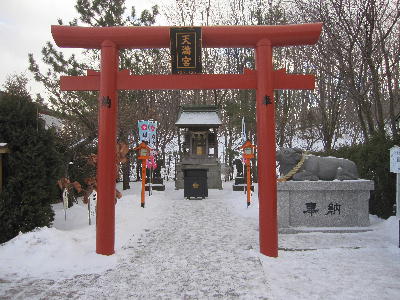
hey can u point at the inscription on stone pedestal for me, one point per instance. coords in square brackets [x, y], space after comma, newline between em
[324, 203]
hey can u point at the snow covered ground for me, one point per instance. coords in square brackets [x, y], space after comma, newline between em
[196, 249]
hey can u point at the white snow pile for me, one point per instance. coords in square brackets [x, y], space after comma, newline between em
[69, 247]
[196, 249]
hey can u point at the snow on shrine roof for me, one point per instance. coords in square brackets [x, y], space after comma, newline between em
[198, 116]
[4, 149]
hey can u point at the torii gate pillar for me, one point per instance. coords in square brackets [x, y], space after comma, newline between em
[106, 165]
[266, 165]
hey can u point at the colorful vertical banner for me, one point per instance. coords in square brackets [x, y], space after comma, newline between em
[152, 133]
[143, 131]
[151, 162]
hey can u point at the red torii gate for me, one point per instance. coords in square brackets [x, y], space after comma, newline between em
[264, 79]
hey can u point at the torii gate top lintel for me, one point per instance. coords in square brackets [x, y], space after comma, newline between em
[145, 37]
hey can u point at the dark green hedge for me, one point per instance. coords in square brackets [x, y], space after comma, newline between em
[372, 160]
[33, 167]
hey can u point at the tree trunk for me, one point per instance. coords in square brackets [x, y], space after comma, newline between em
[138, 170]
[126, 172]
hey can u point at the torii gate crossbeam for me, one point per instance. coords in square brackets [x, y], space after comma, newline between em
[264, 79]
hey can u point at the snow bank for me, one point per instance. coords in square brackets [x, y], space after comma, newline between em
[69, 247]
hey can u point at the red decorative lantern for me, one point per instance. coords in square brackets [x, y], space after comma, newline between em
[143, 151]
[248, 154]
[248, 150]
[144, 155]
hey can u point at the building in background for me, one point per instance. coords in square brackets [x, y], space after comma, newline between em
[198, 125]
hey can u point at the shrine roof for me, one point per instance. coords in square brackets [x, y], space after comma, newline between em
[198, 116]
[4, 148]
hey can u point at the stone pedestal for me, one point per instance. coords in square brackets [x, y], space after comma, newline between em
[213, 171]
[157, 184]
[324, 203]
[241, 185]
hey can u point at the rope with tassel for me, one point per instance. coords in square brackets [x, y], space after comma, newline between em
[295, 169]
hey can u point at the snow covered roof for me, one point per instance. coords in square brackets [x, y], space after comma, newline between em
[51, 121]
[197, 116]
[4, 149]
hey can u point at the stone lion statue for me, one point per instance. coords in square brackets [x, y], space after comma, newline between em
[313, 167]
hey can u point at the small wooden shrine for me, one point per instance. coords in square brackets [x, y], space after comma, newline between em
[198, 145]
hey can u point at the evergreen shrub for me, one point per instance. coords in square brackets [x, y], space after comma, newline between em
[34, 165]
[372, 160]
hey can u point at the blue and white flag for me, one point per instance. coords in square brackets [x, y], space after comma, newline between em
[243, 131]
[152, 133]
[143, 131]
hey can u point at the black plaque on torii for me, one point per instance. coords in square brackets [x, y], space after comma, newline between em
[185, 45]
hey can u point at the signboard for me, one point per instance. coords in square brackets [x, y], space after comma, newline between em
[395, 159]
[65, 201]
[185, 45]
[92, 206]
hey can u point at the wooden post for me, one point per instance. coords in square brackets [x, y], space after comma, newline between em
[1, 172]
[106, 165]
[143, 195]
[398, 201]
[266, 150]
[248, 181]
[215, 143]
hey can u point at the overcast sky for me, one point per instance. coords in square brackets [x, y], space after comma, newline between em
[25, 28]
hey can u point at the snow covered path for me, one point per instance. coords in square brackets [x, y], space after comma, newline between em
[200, 250]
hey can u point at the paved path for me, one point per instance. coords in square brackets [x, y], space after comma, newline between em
[201, 250]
